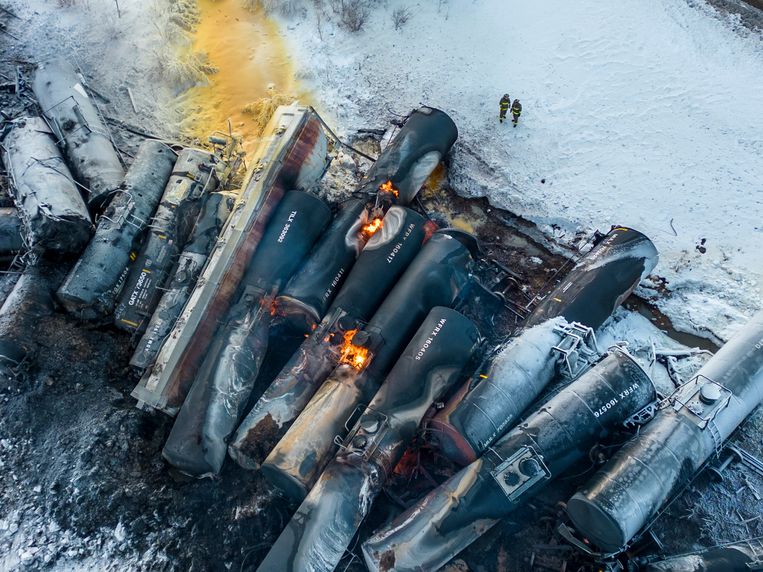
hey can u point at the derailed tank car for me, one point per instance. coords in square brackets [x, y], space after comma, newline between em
[628, 492]
[193, 177]
[214, 212]
[325, 523]
[490, 403]
[92, 286]
[292, 155]
[436, 277]
[542, 447]
[381, 263]
[220, 392]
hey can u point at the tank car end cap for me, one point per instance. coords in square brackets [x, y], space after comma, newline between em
[595, 524]
[451, 443]
[291, 488]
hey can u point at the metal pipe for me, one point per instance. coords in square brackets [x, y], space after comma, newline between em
[544, 446]
[222, 388]
[436, 277]
[325, 523]
[91, 288]
[378, 268]
[491, 402]
[193, 177]
[628, 492]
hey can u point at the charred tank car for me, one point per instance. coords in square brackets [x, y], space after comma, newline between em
[560, 327]
[223, 385]
[512, 471]
[437, 277]
[629, 491]
[323, 527]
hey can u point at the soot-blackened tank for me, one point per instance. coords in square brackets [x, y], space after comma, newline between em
[323, 527]
[507, 382]
[381, 263]
[437, 277]
[422, 142]
[221, 390]
[629, 491]
[544, 446]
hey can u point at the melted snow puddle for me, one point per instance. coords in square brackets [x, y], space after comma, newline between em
[252, 63]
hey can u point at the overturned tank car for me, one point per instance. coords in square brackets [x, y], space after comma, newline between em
[555, 337]
[627, 493]
[542, 447]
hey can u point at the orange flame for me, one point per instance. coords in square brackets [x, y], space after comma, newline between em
[371, 228]
[389, 188]
[352, 355]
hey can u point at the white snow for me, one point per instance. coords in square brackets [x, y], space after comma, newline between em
[646, 113]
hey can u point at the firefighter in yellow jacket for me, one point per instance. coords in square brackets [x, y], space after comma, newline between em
[516, 111]
[503, 107]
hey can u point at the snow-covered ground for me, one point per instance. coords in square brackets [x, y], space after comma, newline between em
[647, 113]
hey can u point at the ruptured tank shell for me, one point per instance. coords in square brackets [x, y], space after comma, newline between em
[91, 288]
[43, 189]
[629, 491]
[436, 277]
[414, 153]
[221, 391]
[381, 263]
[323, 527]
[490, 403]
[77, 123]
[543, 447]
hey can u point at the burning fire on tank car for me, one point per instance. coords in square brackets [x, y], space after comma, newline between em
[353, 355]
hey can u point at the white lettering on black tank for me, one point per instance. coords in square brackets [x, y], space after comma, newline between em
[287, 226]
[428, 342]
[615, 400]
[399, 245]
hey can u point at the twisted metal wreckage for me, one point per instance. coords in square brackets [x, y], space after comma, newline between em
[367, 303]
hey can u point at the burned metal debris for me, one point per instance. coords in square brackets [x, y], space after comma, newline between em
[214, 406]
[11, 232]
[77, 124]
[45, 194]
[292, 155]
[90, 290]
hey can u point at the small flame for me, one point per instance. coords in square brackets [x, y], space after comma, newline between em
[370, 229]
[389, 188]
[352, 355]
